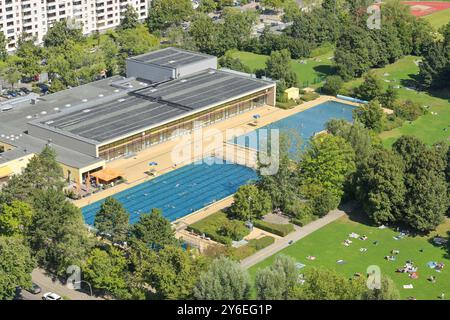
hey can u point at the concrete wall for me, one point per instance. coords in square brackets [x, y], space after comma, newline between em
[62, 140]
[196, 67]
[145, 71]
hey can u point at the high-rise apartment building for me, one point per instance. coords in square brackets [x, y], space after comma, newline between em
[35, 17]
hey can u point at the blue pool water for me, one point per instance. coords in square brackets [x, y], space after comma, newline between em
[181, 191]
[306, 123]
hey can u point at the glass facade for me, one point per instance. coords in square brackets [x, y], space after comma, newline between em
[145, 139]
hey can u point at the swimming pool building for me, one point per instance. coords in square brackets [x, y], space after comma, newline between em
[92, 124]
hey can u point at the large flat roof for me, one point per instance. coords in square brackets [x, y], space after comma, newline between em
[150, 107]
[171, 57]
[13, 123]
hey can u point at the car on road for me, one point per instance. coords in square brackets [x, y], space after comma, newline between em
[51, 296]
[34, 289]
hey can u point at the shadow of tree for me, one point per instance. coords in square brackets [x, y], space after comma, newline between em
[325, 70]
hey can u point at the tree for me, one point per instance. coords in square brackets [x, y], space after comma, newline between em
[371, 88]
[380, 186]
[11, 74]
[154, 230]
[327, 162]
[332, 85]
[30, 57]
[3, 44]
[278, 67]
[224, 280]
[16, 264]
[435, 66]
[278, 281]
[15, 218]
[388, 99]
[207, 6]
[57, 236]
[165, 13]
[387, 291]
[106, 271]
[112, 220]
[204, 34]
[60, 32]
[371, 115]
[129, 19]
[173, 273]
[426, 199]
[41, 173]
[136, 41]
[352, 56]
[250, 203]
[228, 61]
[408, 110]
[326, 284]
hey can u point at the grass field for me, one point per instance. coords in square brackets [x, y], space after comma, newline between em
[438, 19]
[429, 128]
[326, 245]
[310, 74]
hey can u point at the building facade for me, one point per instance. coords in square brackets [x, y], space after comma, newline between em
[35, 17]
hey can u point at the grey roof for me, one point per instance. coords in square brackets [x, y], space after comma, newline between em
[171, 57]
[13, 123]
[204, 88]
[151, 106]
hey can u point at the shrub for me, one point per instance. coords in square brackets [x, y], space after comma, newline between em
[408, 110]
[309, 96]
[304, 220]
[332, 85]
[219, 228]
[392, 122]
[251, 247]
[281, 230]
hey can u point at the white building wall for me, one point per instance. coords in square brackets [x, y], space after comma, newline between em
[35, 17]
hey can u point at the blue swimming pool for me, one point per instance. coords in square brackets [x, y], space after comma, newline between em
[306, 123]
[180, 192]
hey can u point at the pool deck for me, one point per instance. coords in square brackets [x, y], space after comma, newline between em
[134, 167]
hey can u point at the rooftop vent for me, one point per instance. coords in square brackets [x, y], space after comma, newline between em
[116, 90]
[101, 95]
[171, 61]
[86, 110]
[84, 100]
[121, 100]
[29, 117]
[56, 109]
[183, 80]
[211, 72]
[43, 112]
[49, 122]
[68, 105]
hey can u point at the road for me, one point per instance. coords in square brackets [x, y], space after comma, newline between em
[47, 284]
[299, 233]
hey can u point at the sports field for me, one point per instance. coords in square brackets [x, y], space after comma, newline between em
[326, 245]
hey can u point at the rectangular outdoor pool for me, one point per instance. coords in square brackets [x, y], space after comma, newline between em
[180, 192]
[305, 123]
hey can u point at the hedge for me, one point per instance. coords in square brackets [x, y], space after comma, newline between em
[251, 247]
[304, 220]
[213, 225]
[281, 230]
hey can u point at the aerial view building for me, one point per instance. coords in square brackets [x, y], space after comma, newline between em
[165, 90]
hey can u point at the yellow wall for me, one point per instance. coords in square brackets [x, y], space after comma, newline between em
[292, 93]
[17, 165]
[76, 174]
[6, 146]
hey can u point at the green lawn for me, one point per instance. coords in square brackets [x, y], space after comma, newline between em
[429, 128]
[438, 19]
[326, 245]
[309, 74]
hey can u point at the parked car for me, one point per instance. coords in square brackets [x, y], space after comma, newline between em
[51, 296]
[25, 90]
[34, 289]
[12, 93]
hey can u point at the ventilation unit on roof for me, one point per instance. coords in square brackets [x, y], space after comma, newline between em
[183, 80]
[43, 112]
[121, 100]
[84, 100]
[49, 122]
[56, 109]
[171, 61]
[86, 110]
[68, 105]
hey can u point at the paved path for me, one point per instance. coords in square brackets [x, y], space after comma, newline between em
[298, 234]
[47, 284]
